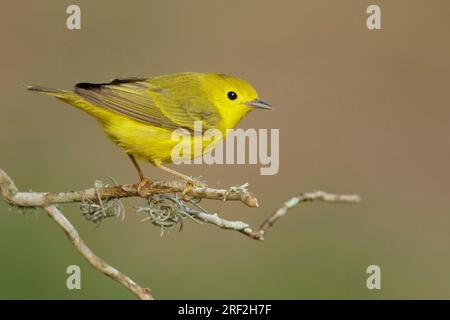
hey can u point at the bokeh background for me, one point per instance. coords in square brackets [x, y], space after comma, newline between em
[358, 111]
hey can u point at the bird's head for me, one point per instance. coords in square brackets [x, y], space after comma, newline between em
[233, 97]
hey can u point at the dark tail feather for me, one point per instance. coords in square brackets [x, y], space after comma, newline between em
[50, 91]
[43, 89]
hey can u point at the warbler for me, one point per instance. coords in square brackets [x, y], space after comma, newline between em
[140, 114]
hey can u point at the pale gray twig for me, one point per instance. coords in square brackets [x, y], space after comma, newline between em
[259, 234]
[54, 213]
[10, 194]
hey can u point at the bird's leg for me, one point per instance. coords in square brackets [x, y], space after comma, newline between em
[186, 178]
[143, 179]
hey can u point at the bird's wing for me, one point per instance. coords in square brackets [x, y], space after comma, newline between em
[138, 99]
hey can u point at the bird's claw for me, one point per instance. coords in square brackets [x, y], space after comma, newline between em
[196, 182]
[145, 183]
[186, 189]
[190, 184]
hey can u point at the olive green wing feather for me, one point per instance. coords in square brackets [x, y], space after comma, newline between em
[155, 104]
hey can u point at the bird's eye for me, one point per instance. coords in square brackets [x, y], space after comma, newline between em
[232, 95]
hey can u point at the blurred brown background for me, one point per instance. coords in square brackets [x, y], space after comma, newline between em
[358, 111]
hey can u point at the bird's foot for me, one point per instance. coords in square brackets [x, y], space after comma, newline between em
[145, 183]
[190, 184]
[195, 182]
[186, 189]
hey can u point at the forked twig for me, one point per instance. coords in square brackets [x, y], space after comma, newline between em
[49, 200]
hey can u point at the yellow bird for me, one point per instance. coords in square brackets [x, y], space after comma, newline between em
[140, 114]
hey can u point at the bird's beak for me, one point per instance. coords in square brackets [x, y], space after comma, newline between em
[258, 103]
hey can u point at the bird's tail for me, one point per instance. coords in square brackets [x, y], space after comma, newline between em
[69, 97]
[62, 94]
[75, 100]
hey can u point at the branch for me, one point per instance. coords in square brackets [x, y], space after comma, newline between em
[245, 229]
[94, 260]
[38, 199]
[10, 194]
[164, 210]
